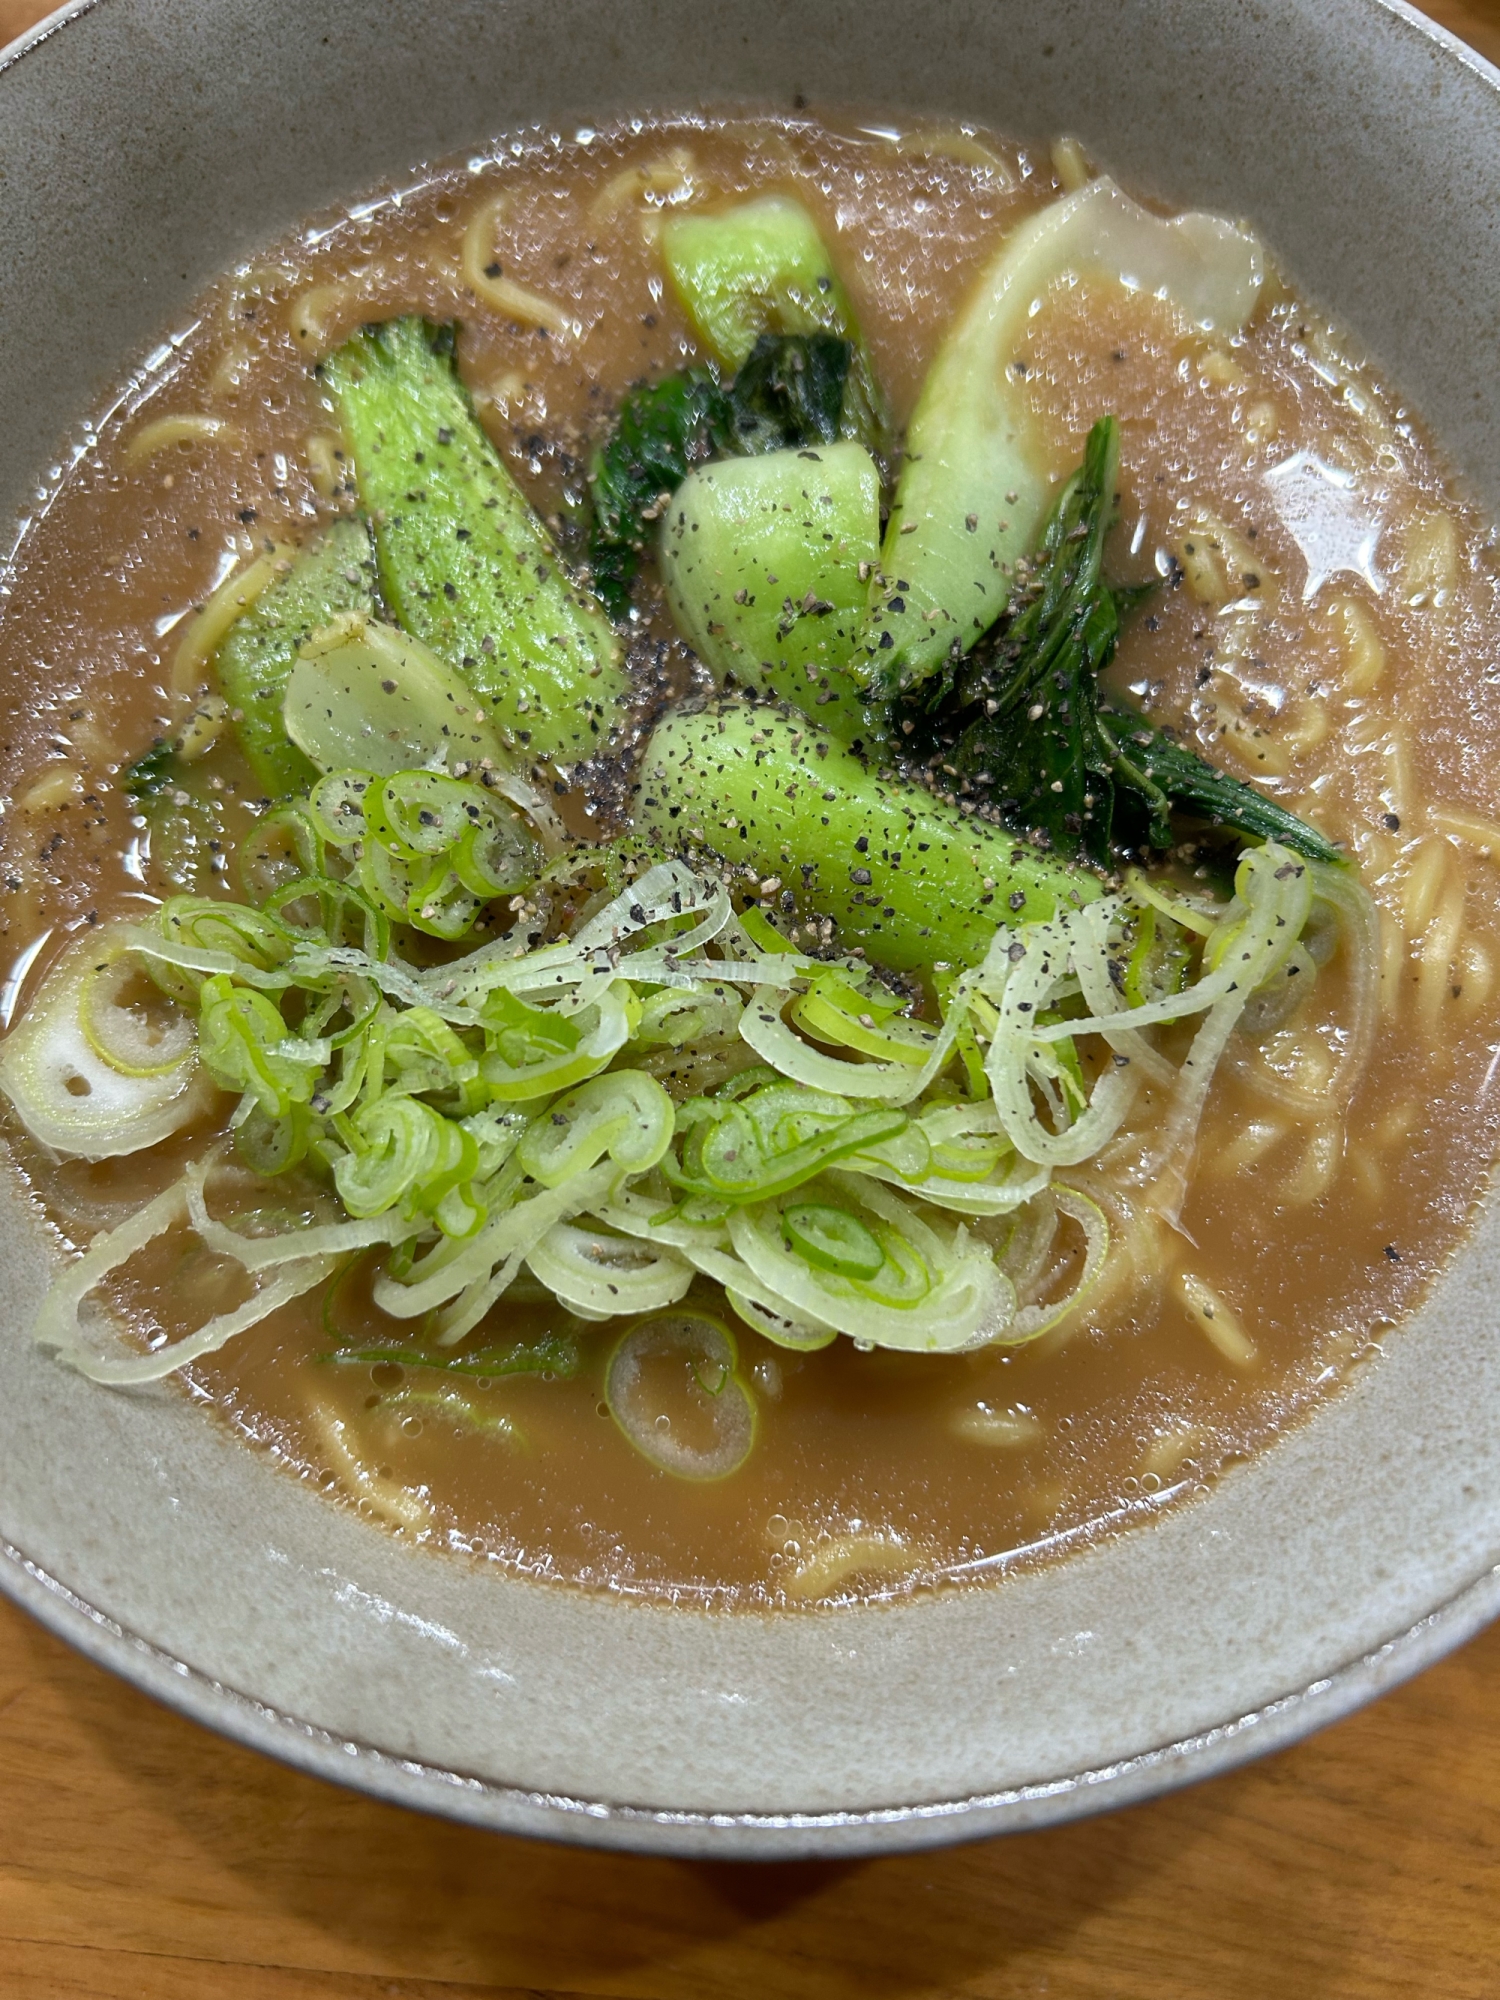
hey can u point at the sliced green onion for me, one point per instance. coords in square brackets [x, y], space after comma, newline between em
[244, 1044]
[549, 1354]
[496, 1132]
[934, 1292]
[802, 1336]
[831, 1239]
[441, 906]
[1034, 1320]
[422, 813]
[282, 846]
[767, 1142]
[498, 855]
[69, 1095]
[857, 1016]
[534, 1051]
[672, 1387]
[600, 1275]
[402, 1146]
[248, 936]
[893, 1082]
[683, 1017]
[474, 1274]
[59, 1326]
[272, 1146]
[266, 1252]
[640, 1211]
[149, 1037]
[389, 879]
[337, 806]
[317, 907]
[626, 1115]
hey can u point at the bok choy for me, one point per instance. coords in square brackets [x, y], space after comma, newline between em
[1030, 729]
[465, 564]
[974, 483]
[331, 577]
[908, 877]
[762, 268]
[788, 395]
[764, 562]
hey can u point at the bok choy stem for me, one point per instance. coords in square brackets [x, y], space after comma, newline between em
[465, 564]
[764, 563]
[763, 268]
[909, 877]
[331, 576]
[974, 486]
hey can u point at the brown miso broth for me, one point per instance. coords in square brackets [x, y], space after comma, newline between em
[1326, 626]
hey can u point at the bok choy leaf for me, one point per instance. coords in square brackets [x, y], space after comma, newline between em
[1029, 728]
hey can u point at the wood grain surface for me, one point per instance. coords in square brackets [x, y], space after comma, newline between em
[143, 1859]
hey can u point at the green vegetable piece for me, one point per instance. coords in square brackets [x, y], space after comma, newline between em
[1050, 752]
[1035, 743]
[440, 905]
[662, 431]
[240, 1038]
[765, 1142]
[404, 1151]
[907, 876]
[763, 268]
[626, 1114]
[790, 393]
[433, 848]
[87, 1071]
[465, 563]
[547, 1354]
[761, 560]
[860, 1014]
[682, 1367]
[832, 1239]
[1159, 771]
[974, 484]
[426, 812]
[365, 697]
[189, 830]
[336, 807]
[333, 575]
[158, 771]
[533, 1052]
[204, 923]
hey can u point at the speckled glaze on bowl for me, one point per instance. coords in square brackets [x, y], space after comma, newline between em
[146, 143]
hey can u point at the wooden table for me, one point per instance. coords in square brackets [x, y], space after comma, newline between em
[143, 1859]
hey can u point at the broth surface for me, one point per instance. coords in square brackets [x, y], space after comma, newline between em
[1328, 627]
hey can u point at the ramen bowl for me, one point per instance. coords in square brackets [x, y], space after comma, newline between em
[143, 147]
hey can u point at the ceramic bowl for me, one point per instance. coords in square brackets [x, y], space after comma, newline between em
[146, 143]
